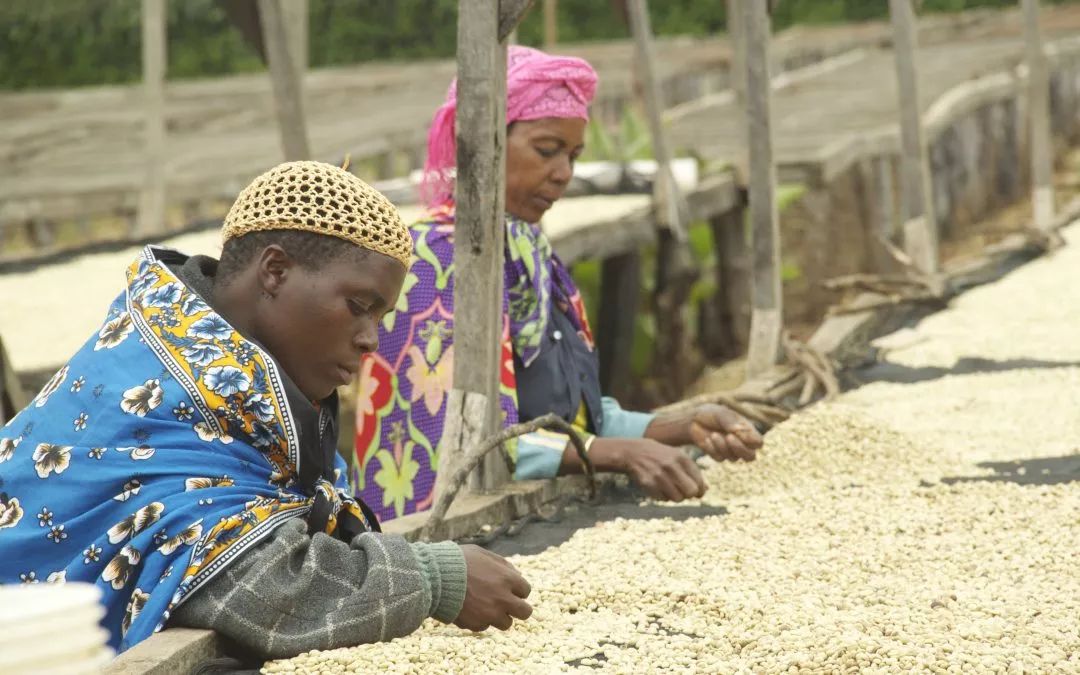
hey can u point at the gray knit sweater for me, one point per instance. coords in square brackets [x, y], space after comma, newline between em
[294, 592]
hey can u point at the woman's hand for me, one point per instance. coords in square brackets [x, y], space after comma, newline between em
[719, 431]
[724, 434]
[662, 471]
[495, 592]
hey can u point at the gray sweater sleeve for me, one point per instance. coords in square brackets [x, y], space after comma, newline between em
[293, 593]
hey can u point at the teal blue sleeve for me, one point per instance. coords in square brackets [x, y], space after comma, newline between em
[539, 455]
[623, 423]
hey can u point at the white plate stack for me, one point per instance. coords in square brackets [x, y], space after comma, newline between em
[52, 629]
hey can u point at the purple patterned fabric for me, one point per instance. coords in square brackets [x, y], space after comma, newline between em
[401, 400]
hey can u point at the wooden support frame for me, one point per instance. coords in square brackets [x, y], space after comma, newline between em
[511, 12]
[473, 411]
[1038, 107]
[551, 23]
[675, 269]
[620, 297]
[737, 64]
[287, 83]
[766, 319]
[150, 218]
[296, 15]
[917, 212]
[671, 210]
[725, 336]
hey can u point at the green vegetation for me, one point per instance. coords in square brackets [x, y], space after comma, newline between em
[625, 143]
[63, 43]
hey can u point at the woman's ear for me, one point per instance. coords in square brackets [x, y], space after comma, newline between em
[275, 265]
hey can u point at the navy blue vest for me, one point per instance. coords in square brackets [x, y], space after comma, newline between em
[564, 374]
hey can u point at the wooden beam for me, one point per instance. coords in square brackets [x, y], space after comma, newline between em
[620, 293]
[737, 74]
[151, 215]
[296, 27]
[670, 206]
[551, 23]
[725, 336]
[766, 319]
[511, 12]
[288, 89]
[736, 65]
[478, 239]
[917, 214]
[1038, 110]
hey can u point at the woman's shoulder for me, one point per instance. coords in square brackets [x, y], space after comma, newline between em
[435, 229]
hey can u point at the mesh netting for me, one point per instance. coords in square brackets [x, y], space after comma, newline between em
[324, 199]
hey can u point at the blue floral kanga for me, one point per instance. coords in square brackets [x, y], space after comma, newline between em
[165, 448]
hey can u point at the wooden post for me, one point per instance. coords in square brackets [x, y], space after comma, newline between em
[510, 14]
[737, 78]
[288, 89]
[551, 23]
[473, 410]
[620, 293]
[725, 336]
[295, 13]
[1038, 91]
[737, 64]
[675, 267]
[917, 214]
[151, 216]
[766, 319]
[670, 209]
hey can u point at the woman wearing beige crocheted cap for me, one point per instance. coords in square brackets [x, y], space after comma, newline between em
[184, 459]
[550, 362]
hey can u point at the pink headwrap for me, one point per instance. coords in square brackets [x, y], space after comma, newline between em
[537, 86]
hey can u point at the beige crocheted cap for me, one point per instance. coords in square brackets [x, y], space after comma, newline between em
[321, 198]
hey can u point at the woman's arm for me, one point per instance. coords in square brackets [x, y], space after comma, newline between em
[294, 592]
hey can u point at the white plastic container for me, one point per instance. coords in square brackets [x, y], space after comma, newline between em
[52, 629]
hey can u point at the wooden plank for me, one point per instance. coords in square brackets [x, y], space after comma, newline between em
[725, 336]
[151, 214]
[176, 650]
[296, 16]
[288, 90]
[511, 12]
[670, 208]
[1038, 110]
[917, 212]
[766, 319]
[737, 73]
[620, 293]
[886, 212]
[479, 228]
[551, 23]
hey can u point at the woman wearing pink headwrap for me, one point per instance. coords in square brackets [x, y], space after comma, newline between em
[549, 360]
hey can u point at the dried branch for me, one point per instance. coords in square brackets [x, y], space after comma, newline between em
[497, 441]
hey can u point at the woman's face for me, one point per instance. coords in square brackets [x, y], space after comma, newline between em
[320, 322]
[540, 157]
